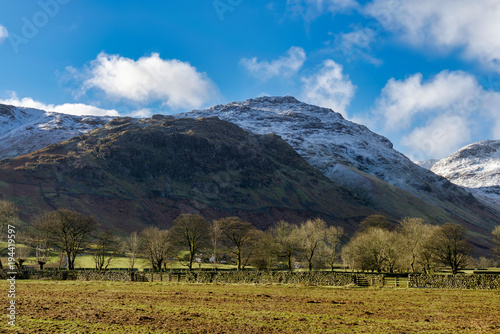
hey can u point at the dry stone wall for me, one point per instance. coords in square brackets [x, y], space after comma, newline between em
[474, 281]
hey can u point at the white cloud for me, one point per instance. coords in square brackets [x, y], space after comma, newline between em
[445, 24]
[453, 107]
[312, 9]
[3, 33]
[329, 87]
[443, 135]
[285, 66]
[357, 44]
[491, 103]
[496, 131]
[402, 100]
[175, 83]
[141, 113]
[67, 108]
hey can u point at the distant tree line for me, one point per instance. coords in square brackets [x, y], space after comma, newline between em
[411, 245]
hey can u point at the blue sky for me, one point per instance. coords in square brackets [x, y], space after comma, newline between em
[426, 74]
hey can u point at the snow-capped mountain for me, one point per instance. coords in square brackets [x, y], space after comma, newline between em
[361, 161]
[326, 140]
[475, 166]
[24, 130]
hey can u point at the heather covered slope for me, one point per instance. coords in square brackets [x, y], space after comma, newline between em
[132, 173]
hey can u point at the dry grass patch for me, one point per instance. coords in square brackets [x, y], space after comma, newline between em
[131, 307]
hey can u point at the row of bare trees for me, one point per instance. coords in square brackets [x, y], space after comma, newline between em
[412, 246]
[238, 241]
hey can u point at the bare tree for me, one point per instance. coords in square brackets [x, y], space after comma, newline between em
[374, 249]
[333, 237]
[427, 261]
[42, 254]
[349, 256]
[450, 247]
[286, 241]
[311, 237]
[69, 231]
[415, 235]
[8, 211]
[264, 254]
[106, 249]
[239, 238]
[156, 246]
[190, 233]
[131, 247]
[496, 242]
[215, 238]
[8, 214]
[40, 240]
[22, 253]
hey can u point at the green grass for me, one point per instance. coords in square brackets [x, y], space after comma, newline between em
[87, 262]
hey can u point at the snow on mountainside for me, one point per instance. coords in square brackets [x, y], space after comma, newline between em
[326, 140]
[427, 164]
[24, 130]
[476, 166]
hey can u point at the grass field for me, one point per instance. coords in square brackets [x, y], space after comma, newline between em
[113, 307]
[87, 262]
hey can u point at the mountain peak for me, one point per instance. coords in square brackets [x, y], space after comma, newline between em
[319, 134]
[476, 165]
[281, 105]
[273, 100]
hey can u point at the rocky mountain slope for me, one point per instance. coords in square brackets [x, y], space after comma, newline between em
[326, 140]
[24, 130]
[134, 173]
[355, 157]
[477, 167]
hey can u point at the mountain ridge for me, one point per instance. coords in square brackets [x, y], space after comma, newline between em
[164, 166]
